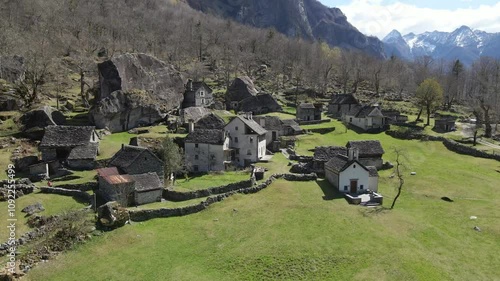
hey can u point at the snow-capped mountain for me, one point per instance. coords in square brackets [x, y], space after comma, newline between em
[463, 43]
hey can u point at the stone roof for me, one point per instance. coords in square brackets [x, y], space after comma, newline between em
[67, 136]
[291, 123]
[127, 155]
[206, 136]
[252, 125]
[145, 182]
[325, 153]
[365, 111]
[198, 85]
[210, 121]
[367, 148]
[340, 162]
[88, 151]
[343, 99]
[271, 123]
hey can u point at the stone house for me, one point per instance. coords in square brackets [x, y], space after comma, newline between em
[394, 117]
[291, 128]
[207, 150]
[135, 160]
[445, 124]
[365, 117]
[309, 111]
[370, 152]
[75, 146]
[341, 104]
[128, 190]
[348, 175]
[247, 138]
[323, 154]
[197, 94]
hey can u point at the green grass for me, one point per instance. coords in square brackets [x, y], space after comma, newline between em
[290, 232]
[281, 115]
[53, 204]
[110, 144]
[204, 181]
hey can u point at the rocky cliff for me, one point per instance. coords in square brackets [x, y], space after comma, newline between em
[307, 18]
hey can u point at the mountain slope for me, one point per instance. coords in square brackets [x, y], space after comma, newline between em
[306, 18]
[463, 43]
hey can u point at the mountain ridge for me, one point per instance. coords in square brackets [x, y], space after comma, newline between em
[463, 43]
[306, 18]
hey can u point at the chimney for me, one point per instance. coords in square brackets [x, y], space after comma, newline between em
[189, 85]
[262, 122]
[249, 115]
[191, 126]
[123, 146]
[350, 154]
[356, 154]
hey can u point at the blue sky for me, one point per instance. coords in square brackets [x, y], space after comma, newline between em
[379, 17]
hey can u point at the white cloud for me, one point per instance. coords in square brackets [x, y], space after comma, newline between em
[372, 17]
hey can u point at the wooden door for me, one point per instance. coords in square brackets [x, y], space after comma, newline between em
[354, 186]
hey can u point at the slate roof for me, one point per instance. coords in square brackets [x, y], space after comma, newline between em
[340, 162]
[291, 123]
[343, 99]
[198, 85]
[367, 148]
[206, 136]
[67, 136]
[325, 153]
[210, 121]
[272, 123]
[365, 111]
[81, 152]
[145, 182]
[253, 125]
[127, 155]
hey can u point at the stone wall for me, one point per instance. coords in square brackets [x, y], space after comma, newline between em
[82, 186]
[21, 186]
[68, 192]
[313, 122]
[143, 215]
[467, 150]
[183, 196]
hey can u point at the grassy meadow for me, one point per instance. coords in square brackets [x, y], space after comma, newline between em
[301, 231]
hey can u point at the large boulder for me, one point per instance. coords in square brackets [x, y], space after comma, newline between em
[9, 101]
[194, 114]
[260, 104]
[142, 72]
[112, 215]
[122, 111]
[240, 89]
[41, 118]
[35, 208]
[135, 90]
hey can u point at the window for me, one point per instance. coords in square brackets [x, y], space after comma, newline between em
[236, 128]
[251, 139]
[354, 166]
[195, 168]
[196, 157]
[202, 101]
[361, 187]
[249, 152]
[345, 187]
[202, 93]
[235, 139]
[195, 145]
[350, 120]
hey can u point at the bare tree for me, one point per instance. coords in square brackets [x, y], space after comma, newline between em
[399, 172]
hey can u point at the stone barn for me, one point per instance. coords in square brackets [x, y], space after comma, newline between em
[341, 104]
[135, 160]
[445, 124]
[75, 146]
[309, 111]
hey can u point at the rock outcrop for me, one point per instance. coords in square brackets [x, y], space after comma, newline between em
[112, 215]
[41, 118]
[122, 111]
[306, 18]
[194, 114]
[12, 68]
[210, 121]
[240, 89]
[135, 89]
[260, 104]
